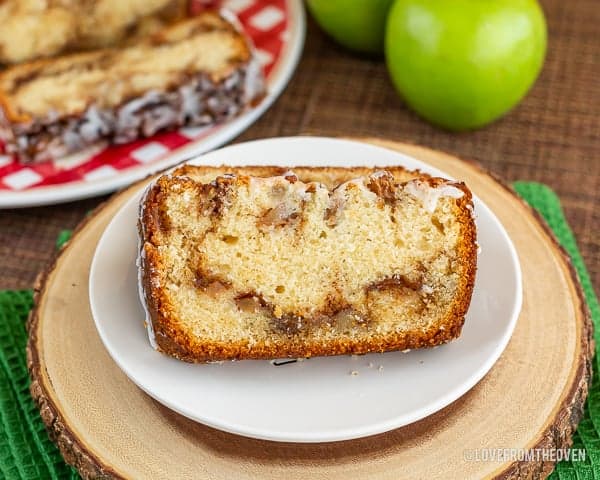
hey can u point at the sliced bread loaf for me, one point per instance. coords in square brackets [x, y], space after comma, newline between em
[199, 71]
[262, 263]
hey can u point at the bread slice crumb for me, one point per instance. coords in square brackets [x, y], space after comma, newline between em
[259, 262]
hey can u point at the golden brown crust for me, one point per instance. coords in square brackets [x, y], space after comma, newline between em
[171, 340]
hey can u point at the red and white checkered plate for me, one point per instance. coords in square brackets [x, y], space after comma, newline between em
[277, 28]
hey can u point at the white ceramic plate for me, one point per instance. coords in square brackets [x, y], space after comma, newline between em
[316, 400]
[79, 182]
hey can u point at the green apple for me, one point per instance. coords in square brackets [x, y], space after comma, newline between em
[356, 24]
[463, 63]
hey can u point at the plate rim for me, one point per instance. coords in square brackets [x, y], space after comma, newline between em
[80, 190]
[339, 434]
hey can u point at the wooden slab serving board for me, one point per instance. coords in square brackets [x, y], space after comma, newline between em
[532, 398]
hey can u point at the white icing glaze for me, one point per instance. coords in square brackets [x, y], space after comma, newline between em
[254, 81]
[338, 196]
[190, 102]
[380, 174]
[128, 114]
[340, 190]
[428, 195]
[232, 18]
[360, 182]
[297, 187]
[138, 263]
[289, 173]
[94, 124]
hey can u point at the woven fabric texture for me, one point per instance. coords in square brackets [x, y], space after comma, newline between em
[27, 453]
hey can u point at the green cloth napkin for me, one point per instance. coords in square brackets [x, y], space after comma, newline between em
[27, 453]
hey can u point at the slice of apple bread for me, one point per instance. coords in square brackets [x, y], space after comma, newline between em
[265, 263]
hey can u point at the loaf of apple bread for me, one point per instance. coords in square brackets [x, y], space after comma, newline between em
[260, 262]
[198, 71]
